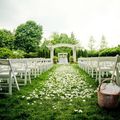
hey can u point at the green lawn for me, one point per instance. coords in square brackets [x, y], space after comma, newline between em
[62, 93]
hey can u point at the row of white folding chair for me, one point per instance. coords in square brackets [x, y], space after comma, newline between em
[97, 66]
[83, 63]
[24, 68]
[35, 66]
[38, 65]
[89, 65]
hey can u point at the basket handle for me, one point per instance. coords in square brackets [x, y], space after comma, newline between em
[107, 79]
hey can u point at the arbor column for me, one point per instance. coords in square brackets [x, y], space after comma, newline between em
[74, 54]
[51, 53]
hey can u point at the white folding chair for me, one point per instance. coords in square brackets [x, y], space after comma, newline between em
[116, 70]
[7, 77]
[105, 66]
[20, 66]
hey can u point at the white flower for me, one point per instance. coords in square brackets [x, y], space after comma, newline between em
[27, 98]
[80, 111]
[75, 110]
[83, 100]
[36, 96]
[23, 96]
[32, 103]
[95, 91]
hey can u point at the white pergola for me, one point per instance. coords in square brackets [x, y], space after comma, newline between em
[52, 47]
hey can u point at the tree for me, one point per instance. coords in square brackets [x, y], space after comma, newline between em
[43, 50]
[54, 38]
[63, 38]
[6, 39]
[73, 39]
[103, 43]
[91, 43]
[85, 53]
[28, 36]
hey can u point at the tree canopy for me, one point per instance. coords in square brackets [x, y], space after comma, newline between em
[91, 43]
[6, 39]
[28, 36]
[103, 43]
[63, 38]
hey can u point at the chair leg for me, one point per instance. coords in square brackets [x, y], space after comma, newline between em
[99, 77]
[29, 77]
[92, 73]
[10, 86]
[25, 82]
[16, 83]
[96, 75]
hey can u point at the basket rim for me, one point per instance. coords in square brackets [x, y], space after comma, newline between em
[108, 93]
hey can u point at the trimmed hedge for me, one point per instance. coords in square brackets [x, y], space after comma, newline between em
[105, 52]
[93, 53]
[7, 53]
[110, 52]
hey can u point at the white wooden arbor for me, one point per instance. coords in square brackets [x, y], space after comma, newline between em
[52, 47]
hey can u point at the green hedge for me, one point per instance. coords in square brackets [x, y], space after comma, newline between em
[110, 52]
[105, 52]
[93, 53]
[7, 53]
[31, 55]
[18, 54]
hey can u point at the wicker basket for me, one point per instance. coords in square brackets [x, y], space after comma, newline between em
[107, 100]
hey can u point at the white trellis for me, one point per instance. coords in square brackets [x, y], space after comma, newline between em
[52, 47]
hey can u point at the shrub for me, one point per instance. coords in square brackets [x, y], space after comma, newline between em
[31, 55]
[71, 60]
[93, 53]
[18, 54]
[55, 59]
[5, 53]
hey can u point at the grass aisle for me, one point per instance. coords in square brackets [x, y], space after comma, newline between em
[62, 93]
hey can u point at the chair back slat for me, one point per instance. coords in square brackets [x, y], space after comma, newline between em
[4, 62]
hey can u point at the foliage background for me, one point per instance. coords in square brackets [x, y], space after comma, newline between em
[25, 41]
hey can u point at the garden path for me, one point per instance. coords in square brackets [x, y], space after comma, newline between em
[64, 83]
